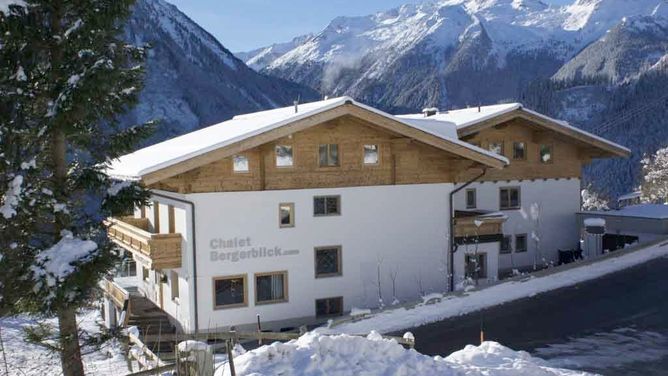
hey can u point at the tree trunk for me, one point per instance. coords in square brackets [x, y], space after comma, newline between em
[70, 355]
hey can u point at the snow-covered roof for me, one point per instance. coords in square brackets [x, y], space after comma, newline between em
[650, 211]
[467, 116]
[464, 118]
[182, 148]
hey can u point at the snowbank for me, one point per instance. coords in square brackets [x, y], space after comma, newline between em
[450, 306]
[28, 359]
[316, 354]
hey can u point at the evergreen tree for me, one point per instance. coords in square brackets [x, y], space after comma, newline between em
[65, 77]
[654, 185]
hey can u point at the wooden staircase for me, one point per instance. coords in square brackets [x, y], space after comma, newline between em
[152, 321]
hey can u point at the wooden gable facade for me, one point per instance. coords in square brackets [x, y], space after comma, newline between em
[401, 160]
[568, 153]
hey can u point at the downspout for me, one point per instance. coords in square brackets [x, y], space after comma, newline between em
[194, 242]
[453, 246]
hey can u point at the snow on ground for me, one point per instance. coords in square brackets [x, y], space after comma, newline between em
[601, 351]
[27, 359]
[315, 354]
[451, 306]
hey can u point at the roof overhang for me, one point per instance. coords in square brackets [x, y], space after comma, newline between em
[349, 107]
[604, 147]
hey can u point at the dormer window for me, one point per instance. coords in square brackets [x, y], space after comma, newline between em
[240, 164]
[496, 147]
[519, 150]
[328, 155]
[284, 156]
[546, 155]
[370, 154]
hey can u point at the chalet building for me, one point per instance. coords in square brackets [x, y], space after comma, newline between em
[301, 213]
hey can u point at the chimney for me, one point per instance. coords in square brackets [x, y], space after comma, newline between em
[296, 106]
[431, 111]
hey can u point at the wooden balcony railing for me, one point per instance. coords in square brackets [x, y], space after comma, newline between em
[155, 251]
[117, 294]
[474, 226]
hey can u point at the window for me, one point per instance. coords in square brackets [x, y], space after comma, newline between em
[174, 284]
[519, 150]
[520, 243]
[329, 307]
[496, 147]
[229, 292]
[506, 244]
[327, 262]
[144, 274]
[240, 163]
[284, 156]
[546, 154]
[370, 154]
[476, 266]
[326, 205]
[286, 215]
[509, 198]
[471, 198]
[329, 155]
[271, 287]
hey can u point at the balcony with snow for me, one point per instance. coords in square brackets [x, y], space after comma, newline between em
[154, 251]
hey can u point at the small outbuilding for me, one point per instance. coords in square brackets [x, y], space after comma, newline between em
[630, 224]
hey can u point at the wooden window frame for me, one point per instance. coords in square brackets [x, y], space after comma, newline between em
[291, 205]
[519, 198]
[377, 163]
[503, 147]
[526, 243]
[234, 171]
[244, 277]
[338, 205]
[475, 198]
[339, 257]
[285, 299]
[485, 263]
[540, 152]
[510, 245]
[524, 156]
[338, 155]
[174, 276]
[329, 314]
[292, 155]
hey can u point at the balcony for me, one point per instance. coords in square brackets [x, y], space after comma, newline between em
[478, 226]
[153, 251]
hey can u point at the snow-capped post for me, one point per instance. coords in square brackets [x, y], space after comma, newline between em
[65, 77]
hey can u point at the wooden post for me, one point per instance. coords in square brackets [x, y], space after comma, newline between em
[230, 357]
[259, 330]
[263, 179]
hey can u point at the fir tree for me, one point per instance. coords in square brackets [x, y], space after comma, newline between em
[65, 77]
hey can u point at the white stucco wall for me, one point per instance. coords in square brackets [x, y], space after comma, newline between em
[405, 227]
[548, 209]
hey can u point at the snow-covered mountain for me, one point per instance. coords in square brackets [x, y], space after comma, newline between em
[261, 57]
[416, 55]
[192, 80]
[596, 63]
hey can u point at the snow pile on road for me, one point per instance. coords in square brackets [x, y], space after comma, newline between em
[316, 354]
[451, 306]
[29, 359]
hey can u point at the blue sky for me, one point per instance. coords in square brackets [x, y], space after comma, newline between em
[242, 25]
